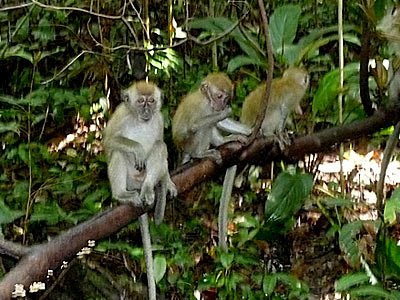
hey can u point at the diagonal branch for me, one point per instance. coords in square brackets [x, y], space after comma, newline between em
[39, 259]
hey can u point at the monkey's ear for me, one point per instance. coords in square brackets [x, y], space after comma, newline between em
[124, 96]
[204, 87]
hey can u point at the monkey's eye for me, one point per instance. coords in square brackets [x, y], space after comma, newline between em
[140, 100]
[150, 99]
[220, 96]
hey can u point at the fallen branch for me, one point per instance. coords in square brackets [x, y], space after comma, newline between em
[37, 260]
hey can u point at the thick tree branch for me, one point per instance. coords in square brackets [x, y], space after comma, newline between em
[34, 265]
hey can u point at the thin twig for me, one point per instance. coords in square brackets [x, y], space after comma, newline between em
[133, 33]
[67, 66]
[15, 7]
[80, 10]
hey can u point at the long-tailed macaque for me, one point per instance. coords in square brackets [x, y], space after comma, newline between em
[286, 94]
[202, 115]
[199, 120]
[137, 159]
[389, 27]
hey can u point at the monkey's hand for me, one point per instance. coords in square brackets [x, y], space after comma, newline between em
[171, 188]
[140, 158]
[147, 194]
[225, 113]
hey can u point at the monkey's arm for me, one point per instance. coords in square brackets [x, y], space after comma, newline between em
[209, 120]
[217, 139]
[125, 145]
[231, 126]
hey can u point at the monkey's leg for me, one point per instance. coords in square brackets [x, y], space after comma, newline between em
[224, 206]
[161, 196]
[156, 168]
[148, 255]
[118, 175]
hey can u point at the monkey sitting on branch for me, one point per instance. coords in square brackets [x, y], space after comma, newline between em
[286, 94]
[202, 117]
[137, 159]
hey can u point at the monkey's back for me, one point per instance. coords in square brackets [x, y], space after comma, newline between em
[251, 106]
[188, 112]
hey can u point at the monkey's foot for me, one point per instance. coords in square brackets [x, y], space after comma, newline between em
[171, 188]
[213, 154]
[283, 139]
[147, 195]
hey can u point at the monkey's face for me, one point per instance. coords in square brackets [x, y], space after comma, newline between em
[217, 98]
[143, 99]
[145, 106]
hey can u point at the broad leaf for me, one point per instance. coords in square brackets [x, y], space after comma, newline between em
[350, 280]
[160, 266]
[287, 195]
[7, 215]
[283, 25]
[392, 208]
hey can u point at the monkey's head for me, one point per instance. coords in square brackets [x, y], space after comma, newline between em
[389, 27]
[218, 89]
[143, 99]
[297, 75]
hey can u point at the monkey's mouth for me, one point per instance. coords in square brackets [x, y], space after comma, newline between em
[218, 106]
[145, 118]
[146, 114]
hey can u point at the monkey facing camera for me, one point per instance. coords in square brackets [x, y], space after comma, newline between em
[137, 159]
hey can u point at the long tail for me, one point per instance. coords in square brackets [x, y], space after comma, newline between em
[223, 206]
[146, 240]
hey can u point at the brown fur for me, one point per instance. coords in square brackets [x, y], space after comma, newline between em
[143, 87]
[195, 106]
[288, 88]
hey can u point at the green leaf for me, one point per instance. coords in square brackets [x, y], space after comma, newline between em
[372, 291]
[50, 213]
[283, 25]
[325, 98]
[227, 259]
[348, 243]
[10, 126]
[392, 208]
[160, 266]
[242, 60]
[350, 280]
[17, 51]
[45, 31]
[388, 255]
[287, 196]
[269, 284]
[8, 215]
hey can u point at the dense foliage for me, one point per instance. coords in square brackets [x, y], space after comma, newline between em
[62, 65]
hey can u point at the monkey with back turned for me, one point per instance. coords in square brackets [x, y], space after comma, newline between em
[137, 159]
[285, 97]
[389, 27]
